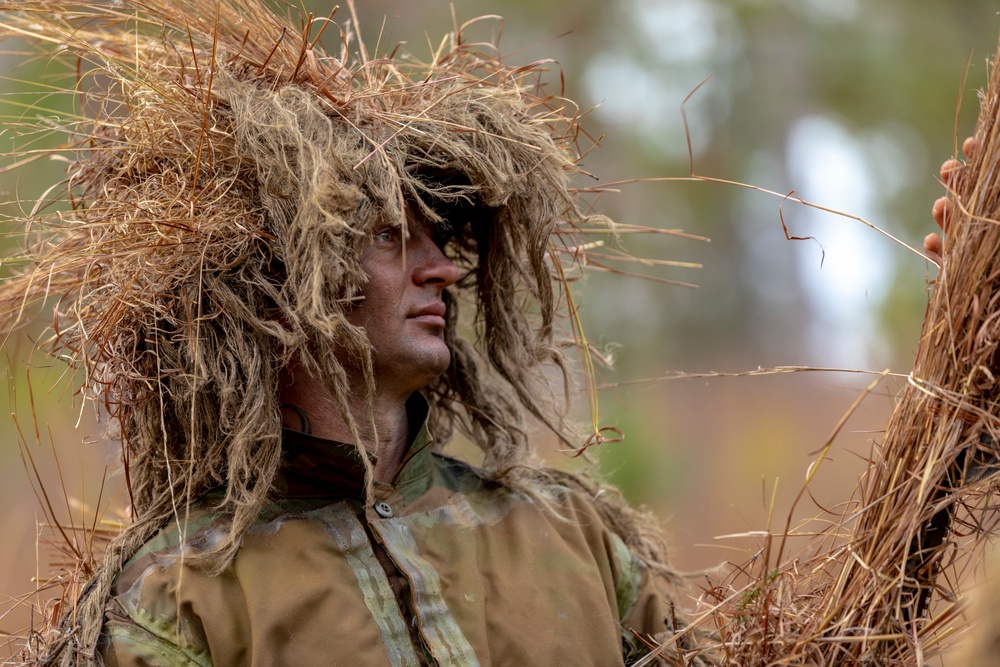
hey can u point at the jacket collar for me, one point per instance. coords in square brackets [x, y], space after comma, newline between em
[314, 467]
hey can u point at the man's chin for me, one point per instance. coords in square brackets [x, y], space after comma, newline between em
[439, 365]
[426, 367]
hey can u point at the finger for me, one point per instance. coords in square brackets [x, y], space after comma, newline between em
[969, 146]
[941, 211]
[949, 168]
[932, 247]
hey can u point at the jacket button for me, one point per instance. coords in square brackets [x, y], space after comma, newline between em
[384, 510]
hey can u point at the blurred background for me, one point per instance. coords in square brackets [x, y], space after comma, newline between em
[853, 105]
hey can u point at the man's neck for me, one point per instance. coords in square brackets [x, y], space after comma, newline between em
[308, 406]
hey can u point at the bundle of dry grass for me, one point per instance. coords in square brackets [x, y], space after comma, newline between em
[881, 585]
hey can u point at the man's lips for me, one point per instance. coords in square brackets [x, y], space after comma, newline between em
[430, 314]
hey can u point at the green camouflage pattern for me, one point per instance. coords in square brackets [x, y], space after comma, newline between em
[463, 572]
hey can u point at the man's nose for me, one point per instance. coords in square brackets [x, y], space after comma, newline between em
[430, 264]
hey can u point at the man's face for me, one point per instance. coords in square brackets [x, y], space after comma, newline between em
[402, 311]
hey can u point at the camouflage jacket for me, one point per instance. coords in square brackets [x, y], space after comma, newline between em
[445, 568]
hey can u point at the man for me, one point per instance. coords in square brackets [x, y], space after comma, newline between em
[290, 278]
[439, 565]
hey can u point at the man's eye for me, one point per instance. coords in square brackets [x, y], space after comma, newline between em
[387, 235]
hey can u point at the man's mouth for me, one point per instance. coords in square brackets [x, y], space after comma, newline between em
[432, 314]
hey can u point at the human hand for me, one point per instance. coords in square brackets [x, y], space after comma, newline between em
[942, 209]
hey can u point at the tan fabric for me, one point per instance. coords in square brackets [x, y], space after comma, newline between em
[462, 573]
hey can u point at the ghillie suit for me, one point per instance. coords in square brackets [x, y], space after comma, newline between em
[225, 173]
